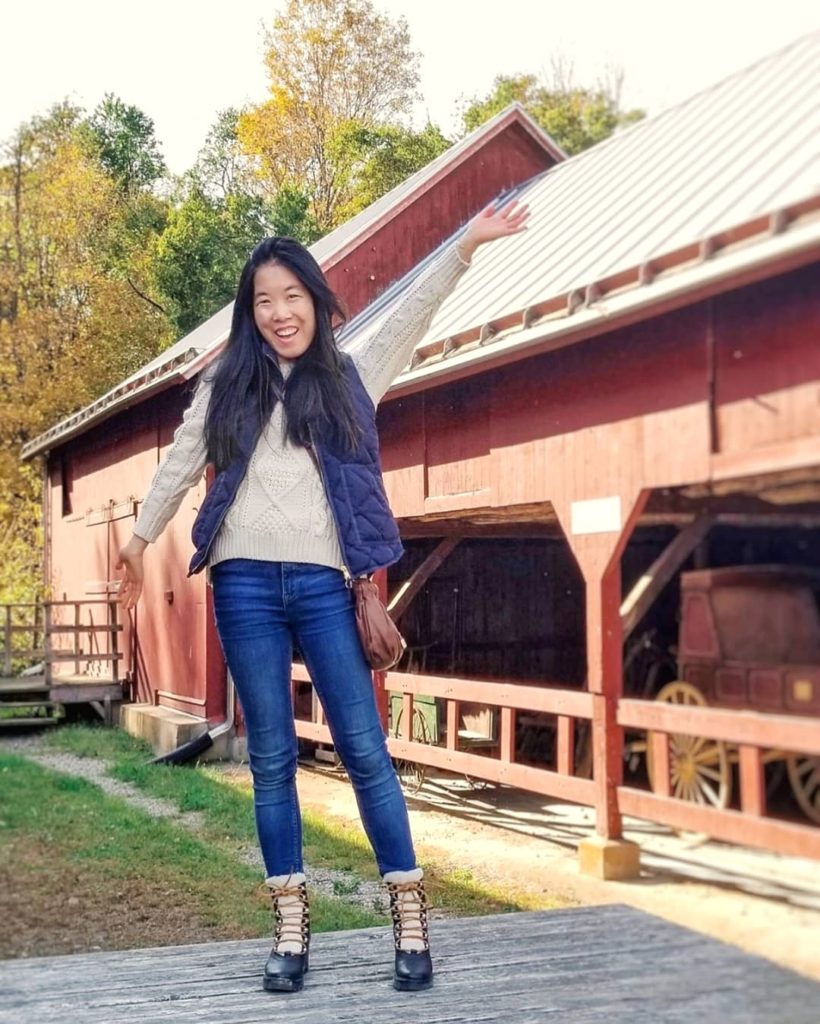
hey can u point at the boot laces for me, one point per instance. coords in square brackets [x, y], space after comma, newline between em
[408, 908]
[291, 927]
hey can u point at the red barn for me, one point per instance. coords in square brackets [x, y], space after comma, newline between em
[626, 393]
[100, 461]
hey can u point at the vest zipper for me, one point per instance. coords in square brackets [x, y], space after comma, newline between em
[345, 570]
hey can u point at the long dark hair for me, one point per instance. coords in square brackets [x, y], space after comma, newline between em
[246, 380]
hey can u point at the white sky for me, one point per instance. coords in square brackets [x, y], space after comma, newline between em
[182, 61]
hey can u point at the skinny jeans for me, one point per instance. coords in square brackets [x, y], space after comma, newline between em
[261, 607]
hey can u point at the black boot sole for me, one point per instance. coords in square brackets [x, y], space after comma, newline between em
[412, 984]
[283, 984]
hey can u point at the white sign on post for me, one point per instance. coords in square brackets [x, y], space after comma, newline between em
[596, 515]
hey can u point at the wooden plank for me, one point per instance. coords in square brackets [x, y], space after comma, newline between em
[82, 693]
[534, 780]
[658, 750]
[551, 700]
[507, 739]
[565, 760]
[645, 592]
[785, 732]
[408, 590]
[752, 781]
[452, 724]
[731, 826]
[522, 967]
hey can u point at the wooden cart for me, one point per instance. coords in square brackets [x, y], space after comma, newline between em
[749, 639]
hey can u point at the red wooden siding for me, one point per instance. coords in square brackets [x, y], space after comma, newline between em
[411, 234]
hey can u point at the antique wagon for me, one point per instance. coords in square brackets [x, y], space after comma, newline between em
[749, 639]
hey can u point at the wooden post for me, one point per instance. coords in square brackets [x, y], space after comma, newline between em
[7, 652]
[77, 624]
[752, 781]
[47, 644]
[507, 752]
[597, 529]
[114, 647]
[565, 759]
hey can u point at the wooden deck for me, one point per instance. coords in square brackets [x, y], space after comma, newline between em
[594, 964]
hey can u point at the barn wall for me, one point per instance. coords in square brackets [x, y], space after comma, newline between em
[621, 412]
[171, 664]
[414, 232]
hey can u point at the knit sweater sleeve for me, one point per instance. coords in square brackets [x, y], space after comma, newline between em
[382, 356]
[182, 467]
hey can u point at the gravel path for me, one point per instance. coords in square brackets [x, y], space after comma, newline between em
[344, 885]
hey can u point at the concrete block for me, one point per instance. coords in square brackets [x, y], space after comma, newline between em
[610, 859]
[164, 728]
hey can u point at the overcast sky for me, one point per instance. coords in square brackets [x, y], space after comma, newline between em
[181, 61]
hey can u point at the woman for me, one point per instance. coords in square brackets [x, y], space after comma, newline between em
[297, 507]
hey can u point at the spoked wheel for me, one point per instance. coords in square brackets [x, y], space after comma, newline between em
[699, 769]
[411, 773]
[804, 776]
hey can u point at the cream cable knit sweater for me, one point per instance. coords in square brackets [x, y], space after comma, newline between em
[280, 512]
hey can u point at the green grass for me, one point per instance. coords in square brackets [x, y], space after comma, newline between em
[227, 810]
[76, 821]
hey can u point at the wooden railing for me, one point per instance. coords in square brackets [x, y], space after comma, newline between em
[567, 706]
[753, 736]
[46, 622]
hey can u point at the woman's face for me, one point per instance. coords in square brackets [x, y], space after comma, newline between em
[283, 310]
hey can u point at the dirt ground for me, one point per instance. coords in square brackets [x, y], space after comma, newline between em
[59, 907]
[763, 903]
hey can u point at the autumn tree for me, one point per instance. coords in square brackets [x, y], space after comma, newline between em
[330, 63]
[69, 328]
[576, 117]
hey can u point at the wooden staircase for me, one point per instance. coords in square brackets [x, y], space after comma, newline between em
[53, 633]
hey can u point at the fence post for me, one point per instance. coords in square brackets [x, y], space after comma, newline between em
[7, 652]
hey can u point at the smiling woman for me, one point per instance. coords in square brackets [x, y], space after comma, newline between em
[282, 533]
[283, 310]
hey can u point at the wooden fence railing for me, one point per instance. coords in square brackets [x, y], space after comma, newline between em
[53, 633]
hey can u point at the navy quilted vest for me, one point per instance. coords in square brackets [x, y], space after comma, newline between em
[368, 534]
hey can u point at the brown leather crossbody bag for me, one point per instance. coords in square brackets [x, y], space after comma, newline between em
[382, 642]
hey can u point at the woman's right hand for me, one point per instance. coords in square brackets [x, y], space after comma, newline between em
[130, 559]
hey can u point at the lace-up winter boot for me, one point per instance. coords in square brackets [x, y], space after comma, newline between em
[288, 961]
[408, 908]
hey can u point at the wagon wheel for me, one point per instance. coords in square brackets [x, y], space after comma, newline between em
[699, 769]
[804, 776]
[411, 773]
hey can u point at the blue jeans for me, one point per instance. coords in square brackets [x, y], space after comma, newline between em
[260, 607]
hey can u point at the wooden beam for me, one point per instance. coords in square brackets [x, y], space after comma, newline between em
[728, 825]
[644, 593]
[798, 735]
[549, 700]
[404, 596]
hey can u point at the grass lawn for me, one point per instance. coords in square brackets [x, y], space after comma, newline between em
[227, 808]
[81, 870]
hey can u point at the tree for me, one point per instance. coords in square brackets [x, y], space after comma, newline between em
[69, 329]
[127, 146]
[381, 157]
[197, 259]
[222, 167]
[574, 116]
[329, 63]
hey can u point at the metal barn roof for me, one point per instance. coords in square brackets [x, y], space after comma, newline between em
[701, 192]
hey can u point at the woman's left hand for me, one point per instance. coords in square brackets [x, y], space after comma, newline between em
[494, 222]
